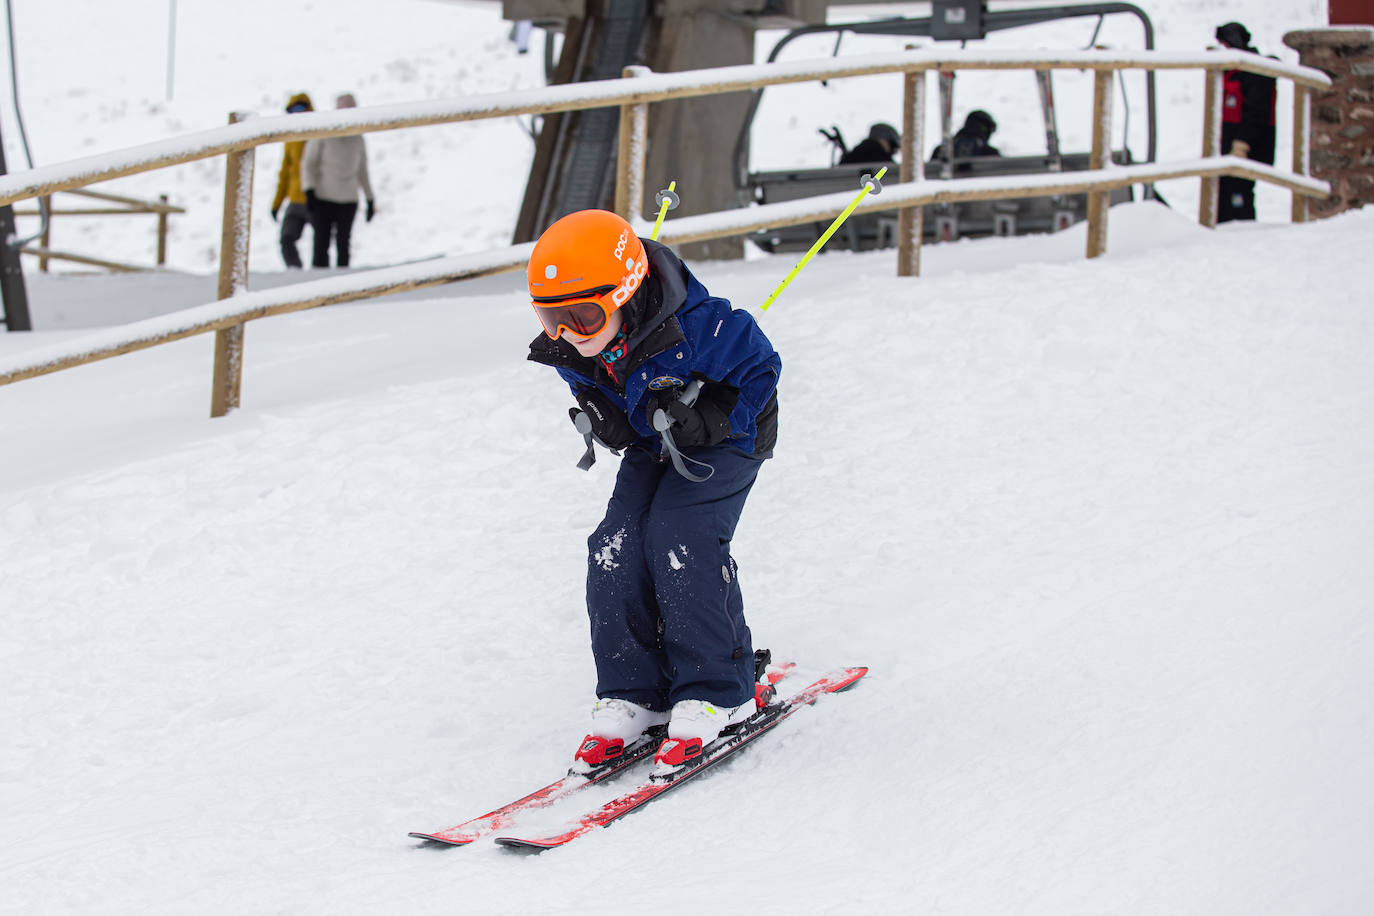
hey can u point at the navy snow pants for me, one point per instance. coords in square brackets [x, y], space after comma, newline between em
[667, 616]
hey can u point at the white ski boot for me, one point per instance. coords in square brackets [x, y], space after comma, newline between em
[616, 725]
[694, 725]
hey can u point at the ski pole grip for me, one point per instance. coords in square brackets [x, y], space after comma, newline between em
[662, 420]
[689, 394]
[583, 423]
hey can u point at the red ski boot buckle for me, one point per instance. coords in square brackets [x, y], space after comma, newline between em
[677, 751]
[596, 751]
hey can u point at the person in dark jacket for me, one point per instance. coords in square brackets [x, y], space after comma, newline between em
[289, 188]
[882, 141]
[971, 140]
[1247, 126]
[630, 329]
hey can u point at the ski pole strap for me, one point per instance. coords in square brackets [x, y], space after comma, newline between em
[679, 460]
[583, 424]
[663, 423]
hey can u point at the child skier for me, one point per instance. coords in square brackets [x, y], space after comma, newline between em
[630, 329]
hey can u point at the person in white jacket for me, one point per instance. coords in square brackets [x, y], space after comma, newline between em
[334, 170]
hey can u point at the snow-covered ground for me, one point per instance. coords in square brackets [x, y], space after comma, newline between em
[1100, 529]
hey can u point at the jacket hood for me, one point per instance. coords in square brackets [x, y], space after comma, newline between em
[300, 97]
[662, 293]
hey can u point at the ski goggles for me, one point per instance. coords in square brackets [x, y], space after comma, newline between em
[576, 313]
[297, 108]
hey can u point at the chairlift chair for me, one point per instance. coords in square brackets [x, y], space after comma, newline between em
[961, 20]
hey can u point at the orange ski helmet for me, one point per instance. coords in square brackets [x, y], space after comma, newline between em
[583, 268]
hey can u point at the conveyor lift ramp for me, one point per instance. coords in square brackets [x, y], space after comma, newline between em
[575, 157]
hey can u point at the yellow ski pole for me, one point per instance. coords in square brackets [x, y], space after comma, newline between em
[871, 183]
[666, 201]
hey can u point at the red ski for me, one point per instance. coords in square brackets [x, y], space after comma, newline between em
[472, 830]
[479, 827]
[695, 761]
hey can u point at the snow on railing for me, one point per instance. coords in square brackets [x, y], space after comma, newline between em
[655, 87]
[632, 94]
[244, 307]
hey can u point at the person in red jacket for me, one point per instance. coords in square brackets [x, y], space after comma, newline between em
[1247, 125]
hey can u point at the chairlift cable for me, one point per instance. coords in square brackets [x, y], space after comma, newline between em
[12, 241]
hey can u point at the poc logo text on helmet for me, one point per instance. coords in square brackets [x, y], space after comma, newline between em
[620, 246]
[621, 294]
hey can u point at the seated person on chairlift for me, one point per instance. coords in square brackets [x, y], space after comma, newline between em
[972, 139]
[883, 140]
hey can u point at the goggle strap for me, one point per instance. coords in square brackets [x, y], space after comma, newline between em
[565, 297]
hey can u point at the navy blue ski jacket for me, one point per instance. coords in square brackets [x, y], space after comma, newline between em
[677, 331]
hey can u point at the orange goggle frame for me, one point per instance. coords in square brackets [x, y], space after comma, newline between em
[584, 317]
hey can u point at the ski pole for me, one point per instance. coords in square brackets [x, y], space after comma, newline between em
[666, 200]
[870, 183]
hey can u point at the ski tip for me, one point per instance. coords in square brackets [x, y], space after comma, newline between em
[438, 839]
[845, 679]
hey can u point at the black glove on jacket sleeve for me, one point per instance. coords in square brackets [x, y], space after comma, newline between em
[609, 423]
[707, 421]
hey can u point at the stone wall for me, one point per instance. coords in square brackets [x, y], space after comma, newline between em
[1342, 118]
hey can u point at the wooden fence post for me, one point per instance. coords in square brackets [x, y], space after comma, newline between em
[162, 233]
[46, 240]
[233, 274]
[629, 166]
[1211, 146]
[1100, 201]
[1302, 146]
[911, 220]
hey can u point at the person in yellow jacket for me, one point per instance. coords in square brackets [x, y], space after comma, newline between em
[289, 188]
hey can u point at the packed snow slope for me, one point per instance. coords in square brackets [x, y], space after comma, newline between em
[1100, 529]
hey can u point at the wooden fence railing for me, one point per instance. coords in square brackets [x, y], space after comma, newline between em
[633, 94]
[121, 206]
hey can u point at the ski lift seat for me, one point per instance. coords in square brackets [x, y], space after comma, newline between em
[977, 218]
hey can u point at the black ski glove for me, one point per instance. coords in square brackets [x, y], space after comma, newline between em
[310, 201]
[371, 212]
[706, 422]
[609, 423]
[274, 214]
